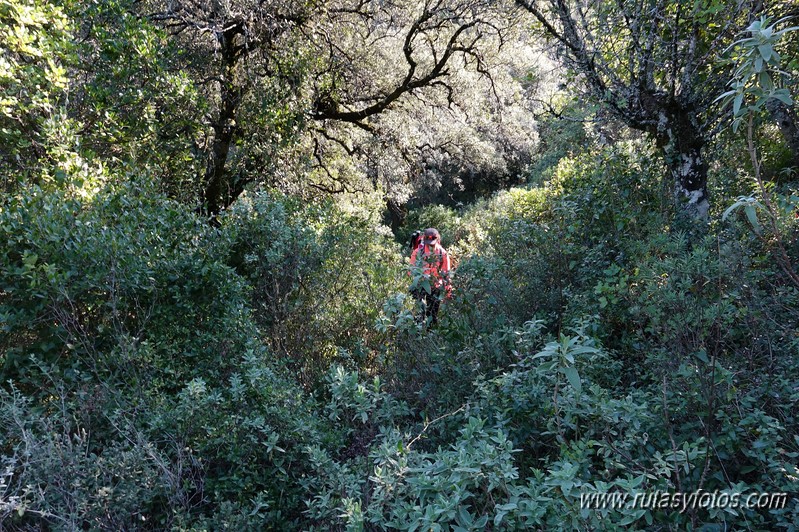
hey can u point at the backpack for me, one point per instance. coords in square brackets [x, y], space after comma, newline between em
[416, 239]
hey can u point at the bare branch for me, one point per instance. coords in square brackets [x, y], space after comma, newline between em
[425, 27]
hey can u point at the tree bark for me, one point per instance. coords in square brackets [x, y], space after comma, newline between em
[682, 142]
[673, 125]
[786, 120]
[218, 190]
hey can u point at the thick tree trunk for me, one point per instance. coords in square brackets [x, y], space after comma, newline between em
[786, 120]
[689, 174]
[396, 214]
[218, 193]
[680, 137]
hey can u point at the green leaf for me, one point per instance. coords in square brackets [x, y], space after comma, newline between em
[464, 516]
[632, 518]
[425, 284]
[765, 81]
[785, 30]
[783, 95]
[29, 259]
[584, 349]
[574, 378]
[736, 105]
[730, 209]
[751, 215]
[766, 52]
[727, 94]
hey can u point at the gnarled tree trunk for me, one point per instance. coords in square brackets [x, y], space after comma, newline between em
[682, 140]
[650, 63]
[786, 120]
[218, 193]
[672, 123]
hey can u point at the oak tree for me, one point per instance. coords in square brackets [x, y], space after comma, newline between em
[654, 65]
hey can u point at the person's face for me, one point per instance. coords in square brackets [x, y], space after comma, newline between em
[430, 242]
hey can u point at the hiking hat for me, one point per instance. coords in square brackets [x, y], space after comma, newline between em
[431, 234]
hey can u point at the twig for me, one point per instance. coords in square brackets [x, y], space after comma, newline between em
[671, 436]
[428, 423]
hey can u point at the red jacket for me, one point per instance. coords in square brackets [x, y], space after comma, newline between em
[435, 261]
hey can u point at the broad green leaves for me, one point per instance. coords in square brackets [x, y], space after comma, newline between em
[750, 206]
[753, 82]
[562, 356]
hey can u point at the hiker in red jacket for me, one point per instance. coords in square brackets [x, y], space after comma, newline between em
[433, 260]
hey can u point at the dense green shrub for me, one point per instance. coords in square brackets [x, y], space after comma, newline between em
[58, 473]
[138, 338]
[128, 338]
[320, 277]
[124, 122]
[239, 445]
[695, 327]
[86, 281]
[536, 438]
[269, 371]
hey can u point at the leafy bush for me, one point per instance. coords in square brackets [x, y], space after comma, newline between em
[320, 277]
[124, 123]
[35, 51]
[691, 327]
[129, 339]
[86, 281]
[56, 473]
